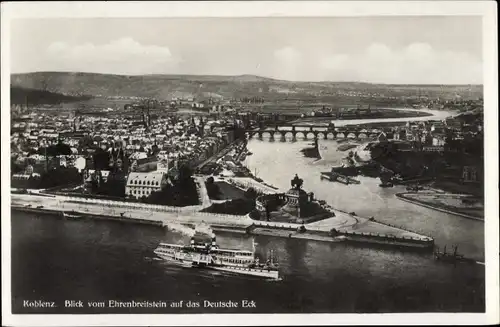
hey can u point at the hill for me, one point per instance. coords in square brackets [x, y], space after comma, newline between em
[204, 86]
[22, 96]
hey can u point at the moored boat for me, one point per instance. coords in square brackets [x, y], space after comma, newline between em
[71, 215]
[336, 177]
[453, 257]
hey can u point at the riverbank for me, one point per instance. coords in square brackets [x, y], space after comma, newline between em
[435, 201]
[353, 228]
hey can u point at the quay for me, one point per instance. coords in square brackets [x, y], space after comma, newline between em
[341, 227]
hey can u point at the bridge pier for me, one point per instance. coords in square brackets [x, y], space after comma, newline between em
[283, 138]
[294, 137]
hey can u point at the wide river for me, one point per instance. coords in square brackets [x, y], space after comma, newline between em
[56, 260]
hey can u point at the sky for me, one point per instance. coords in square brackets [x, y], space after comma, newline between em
[397, 49]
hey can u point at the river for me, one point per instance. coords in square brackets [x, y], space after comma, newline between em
[436, 115]
[55, 259]
[278, 162]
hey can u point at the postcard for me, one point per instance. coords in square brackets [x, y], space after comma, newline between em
[249, 163]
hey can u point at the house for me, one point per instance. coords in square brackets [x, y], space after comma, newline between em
[400, 135]
[91, 173]
[382, 137]
[411, 136]
[453, 123]
[25, 180]
[433, 148]
[143, 184]
[437, 127]
[198, 105]
[438, 140]
[471, 174]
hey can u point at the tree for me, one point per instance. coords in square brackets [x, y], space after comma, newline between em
[101, 159]
[212, 188]
[59, 149]
[255, 214]
[86, 141]
[60, 176]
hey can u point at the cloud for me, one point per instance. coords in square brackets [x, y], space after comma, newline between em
[417, 63]
[287, 54]
[121, 56]
[287, 63]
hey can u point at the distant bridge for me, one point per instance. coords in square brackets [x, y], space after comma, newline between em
[324, 131]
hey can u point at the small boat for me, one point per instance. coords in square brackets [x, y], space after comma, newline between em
[453, 257]
[386, 185]
[211, 257]
[414, 188]
[336, 177]
[71, 215]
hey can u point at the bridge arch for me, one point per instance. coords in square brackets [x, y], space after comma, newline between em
[310, 134]
[300, 134]
[268, 133]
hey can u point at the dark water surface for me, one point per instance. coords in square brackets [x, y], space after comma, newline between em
[57, 260]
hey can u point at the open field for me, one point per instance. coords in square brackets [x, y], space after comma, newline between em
[451, 203]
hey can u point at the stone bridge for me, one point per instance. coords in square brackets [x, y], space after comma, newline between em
[315, 132]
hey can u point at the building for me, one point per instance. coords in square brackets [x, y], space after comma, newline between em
[25, 180]
[198, 105]
[143, 184]
[438, 140]
[433, 148]
[471, 174]
[453, 123]
[400, 135]
[145, 164]
[438, 127]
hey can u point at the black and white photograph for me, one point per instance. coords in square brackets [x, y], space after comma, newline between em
[227, 159]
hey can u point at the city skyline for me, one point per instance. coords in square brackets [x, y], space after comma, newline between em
[388, 50]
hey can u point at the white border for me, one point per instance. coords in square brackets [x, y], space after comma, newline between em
[486, 9]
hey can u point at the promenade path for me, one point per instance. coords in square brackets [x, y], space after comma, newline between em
[345, 222]
[190, 215]
[202, 191]
[168, 215]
